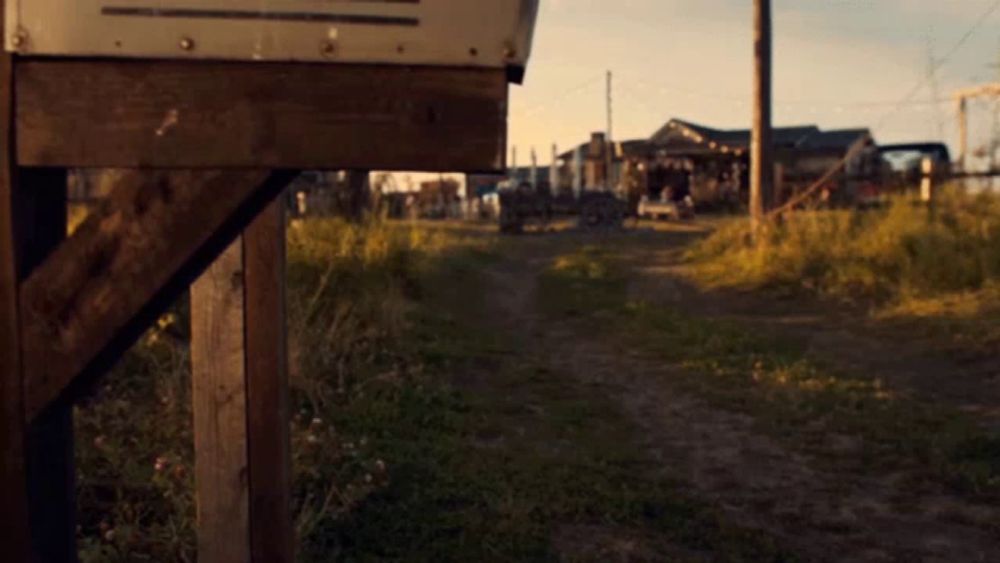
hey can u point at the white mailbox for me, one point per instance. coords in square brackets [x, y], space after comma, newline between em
[478, 33]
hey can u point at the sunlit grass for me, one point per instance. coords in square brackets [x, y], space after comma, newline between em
[586, 280]
[494, 453]
[941, 269]
[893, 254]
[788, 394]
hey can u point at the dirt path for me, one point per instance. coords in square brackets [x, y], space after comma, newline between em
[842, 336]
[821, 515]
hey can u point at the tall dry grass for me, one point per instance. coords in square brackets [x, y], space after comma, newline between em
[894, 254]
[350, 288]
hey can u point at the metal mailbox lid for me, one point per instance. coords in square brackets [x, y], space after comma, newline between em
[485, 33]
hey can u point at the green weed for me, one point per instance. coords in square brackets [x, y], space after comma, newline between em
[788, 394]
[419, 434]
[493, 454]
[349, 293]
[891, 254]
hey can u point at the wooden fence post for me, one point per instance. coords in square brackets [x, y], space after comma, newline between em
[238, 353]
[13, 496]
[37, 492]
[40, 224]
[271, 536]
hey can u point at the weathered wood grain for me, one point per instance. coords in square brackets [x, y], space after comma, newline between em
[40, 226]
[215, 115]
[125, 264]
[272, 537]
[219, 400]
[14, 533]
[243, 467]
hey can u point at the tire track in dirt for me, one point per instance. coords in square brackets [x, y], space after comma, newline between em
[757, 482]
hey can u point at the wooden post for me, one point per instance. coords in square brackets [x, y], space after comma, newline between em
[37, 492]
[158, 229]
[271, 535]
[219, 405]
[928, 186]
[762, 150]
[963, 133]
[40, 226]
[238, 354]
[14, 532]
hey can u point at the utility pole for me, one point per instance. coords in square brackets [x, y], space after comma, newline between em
[610, 107]
[609, 143]
[963, 133]
[534, 168]
[554, 170]
[762, 149]
[512, 169]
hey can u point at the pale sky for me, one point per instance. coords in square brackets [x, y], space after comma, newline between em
[838, 63]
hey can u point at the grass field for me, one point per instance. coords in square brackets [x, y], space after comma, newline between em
[397, 455]
[460, 397]
[789, 394]
[351, 289]
[940, 267]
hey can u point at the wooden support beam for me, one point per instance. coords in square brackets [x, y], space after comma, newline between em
[218, 377]
[127, 114]
[37, 494]
[40, 225]
[271, 534]
[14, 533]
[125, 264]
[240, 388]
[38, 503]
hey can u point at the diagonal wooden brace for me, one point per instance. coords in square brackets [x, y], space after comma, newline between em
[93, 297]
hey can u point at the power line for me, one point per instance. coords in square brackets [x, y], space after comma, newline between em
[936, 123]
[530, 110]
[663, 87]
[812, 190]
[610, 107]
[940, 63]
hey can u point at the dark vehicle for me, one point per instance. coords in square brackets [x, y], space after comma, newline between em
[524, 204]
[535, 204]
[905, 163]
